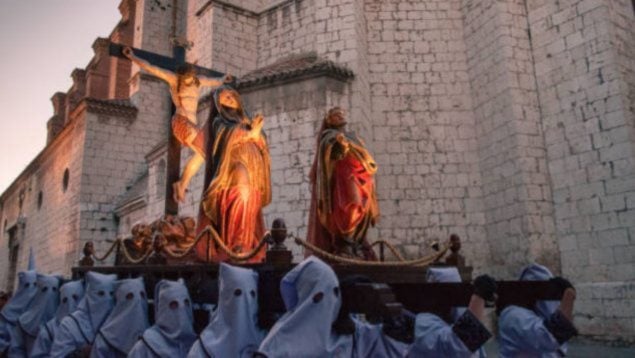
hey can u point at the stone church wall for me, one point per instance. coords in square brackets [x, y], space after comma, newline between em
[583, 53]
[224, 37]
[51, 221]
[423, 126]
[511, 155]
[115, 156]
[289, 29]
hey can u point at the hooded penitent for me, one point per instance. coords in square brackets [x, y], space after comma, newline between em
[233, 329]
[172, 335]
[237, 180]
[311, 295]
[522, 331]
[446, 274]
[18, 304]
[70, 295]
[79, 328]
[435, 337]
[537, 272]
[42, 309]
[126, 323]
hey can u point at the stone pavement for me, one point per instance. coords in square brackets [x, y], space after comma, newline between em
[581, 349]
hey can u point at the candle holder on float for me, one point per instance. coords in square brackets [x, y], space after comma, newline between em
[278, 254]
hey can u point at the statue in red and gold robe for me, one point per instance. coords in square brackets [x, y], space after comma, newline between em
[237, 178]
[343, 201]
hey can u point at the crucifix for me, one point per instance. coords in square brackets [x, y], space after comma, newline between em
[184, 80]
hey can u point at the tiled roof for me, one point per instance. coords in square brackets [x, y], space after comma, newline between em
[294, 67]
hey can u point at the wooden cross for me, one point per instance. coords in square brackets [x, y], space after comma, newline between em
[174, 148]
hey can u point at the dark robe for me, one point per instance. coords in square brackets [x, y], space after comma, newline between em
[237, 184]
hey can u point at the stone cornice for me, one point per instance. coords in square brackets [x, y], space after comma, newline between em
[253, 12]
[319, 69]
[121, 108]
[131, 205]
[158, 151]
[147, 77]
[293, 69]
[134, 198]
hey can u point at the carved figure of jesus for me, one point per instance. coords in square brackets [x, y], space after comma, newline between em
[185, 86]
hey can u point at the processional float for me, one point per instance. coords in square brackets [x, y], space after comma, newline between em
[230, 226]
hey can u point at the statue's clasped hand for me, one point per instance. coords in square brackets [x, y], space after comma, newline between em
[256, 126]
[341, 139]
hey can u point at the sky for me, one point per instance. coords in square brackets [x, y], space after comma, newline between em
[41, 42]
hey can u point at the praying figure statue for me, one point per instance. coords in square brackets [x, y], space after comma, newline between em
[185, 86]
[343, 201]
[237, 181]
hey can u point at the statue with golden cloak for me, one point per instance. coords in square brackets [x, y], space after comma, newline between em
[343, 200]
[237, 181]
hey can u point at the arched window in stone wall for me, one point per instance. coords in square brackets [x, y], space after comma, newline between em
[65, 180]
[161, 173]
[40, 199]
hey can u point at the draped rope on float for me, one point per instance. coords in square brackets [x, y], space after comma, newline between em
[423, 261]
[129, 257]
[391, 247]
[110, 250]
[232, 254]
[237, 256]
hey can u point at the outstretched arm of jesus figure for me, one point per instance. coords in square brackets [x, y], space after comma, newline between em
[215, 81]
[158, 72]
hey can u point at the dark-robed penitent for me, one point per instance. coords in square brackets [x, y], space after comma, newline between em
[237, 180]
[343, 200]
